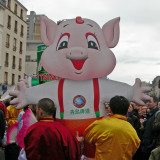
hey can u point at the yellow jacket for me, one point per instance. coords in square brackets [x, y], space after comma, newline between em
[114, 138]
[12, 114]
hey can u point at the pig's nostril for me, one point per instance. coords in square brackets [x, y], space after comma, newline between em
[70, 53]
[81, 53]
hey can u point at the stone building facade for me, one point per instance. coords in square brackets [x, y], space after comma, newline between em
[33, 40]
[13, 43]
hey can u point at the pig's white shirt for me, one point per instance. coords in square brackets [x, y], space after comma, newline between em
[71, 89]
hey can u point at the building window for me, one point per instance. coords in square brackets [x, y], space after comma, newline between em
[21, 31]
[13, 79]
[9, 22]
[7, 40]
[28, 58]
[15, 27]
[21, 15]
[5, 77]
[14, 44]
[20, 64]
[14, 62]
[19, 78]
[9, 4]
[20, 49]
[7, 60]
[15, 8]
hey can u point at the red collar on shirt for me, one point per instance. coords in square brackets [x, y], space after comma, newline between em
[46, 119]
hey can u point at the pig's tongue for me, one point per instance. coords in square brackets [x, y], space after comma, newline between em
[78, 64]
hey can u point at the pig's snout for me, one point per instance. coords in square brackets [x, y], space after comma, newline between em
[77, 53]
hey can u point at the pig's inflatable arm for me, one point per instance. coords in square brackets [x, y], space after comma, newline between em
[108, 89]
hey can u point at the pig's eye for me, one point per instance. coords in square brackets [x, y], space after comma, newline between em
[63, 41]
[92, 41]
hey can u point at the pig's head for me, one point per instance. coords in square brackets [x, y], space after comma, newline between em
[78, 49]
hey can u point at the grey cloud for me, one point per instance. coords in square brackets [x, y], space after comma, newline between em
[131, 59]
[143, 12]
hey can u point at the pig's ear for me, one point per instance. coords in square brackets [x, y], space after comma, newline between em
[48, 30]
[111, 32]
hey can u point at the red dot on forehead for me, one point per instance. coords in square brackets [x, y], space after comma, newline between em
[79, 20]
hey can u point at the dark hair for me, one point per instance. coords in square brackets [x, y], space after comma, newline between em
[7, 103]
[119, 105]
[47, 105]
[155, 99]
[1, 142]
[12, 98]
[25, 108]
[132, 105]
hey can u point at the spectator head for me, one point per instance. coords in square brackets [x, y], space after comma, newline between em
[119, 105]
[45, 108]
[131, 108]
[107, 108]
[135, 106]
[33, 108]
[144, 110]
[7, 103]
[153, 102]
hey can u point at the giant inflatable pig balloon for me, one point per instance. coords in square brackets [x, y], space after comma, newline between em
[79, 52]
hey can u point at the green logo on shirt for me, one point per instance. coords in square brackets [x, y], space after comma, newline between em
[79, 111]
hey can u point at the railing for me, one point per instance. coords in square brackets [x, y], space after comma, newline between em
[6, 63]
[9, 6]
[14, 48]
[21, 16]
[20, 68]
[20, 51]
[7, 44]
[21, 34]
[9, 26]
[13, 66]
[15, 30]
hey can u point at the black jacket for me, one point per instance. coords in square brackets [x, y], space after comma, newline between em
[2, 124]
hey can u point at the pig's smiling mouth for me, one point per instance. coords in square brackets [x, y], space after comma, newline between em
[78, 64]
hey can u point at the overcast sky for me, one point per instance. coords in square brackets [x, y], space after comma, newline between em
[138, 50]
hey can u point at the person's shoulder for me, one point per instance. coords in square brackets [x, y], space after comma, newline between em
[157, 114]
[36, 127]
[99, 123]
[61, 128]
[59, 125]
[1, 103]
[1, 113]
[9, 108]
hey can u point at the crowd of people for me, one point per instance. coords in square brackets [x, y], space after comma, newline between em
[127, 132]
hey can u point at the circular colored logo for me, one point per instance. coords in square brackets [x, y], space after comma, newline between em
[79, 101]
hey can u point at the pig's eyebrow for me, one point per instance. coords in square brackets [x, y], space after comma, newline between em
[65, 25]
[89, 25]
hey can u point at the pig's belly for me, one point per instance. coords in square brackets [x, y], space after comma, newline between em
[77, 124]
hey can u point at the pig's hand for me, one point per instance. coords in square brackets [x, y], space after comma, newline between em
[139, 95]
[19, 101]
